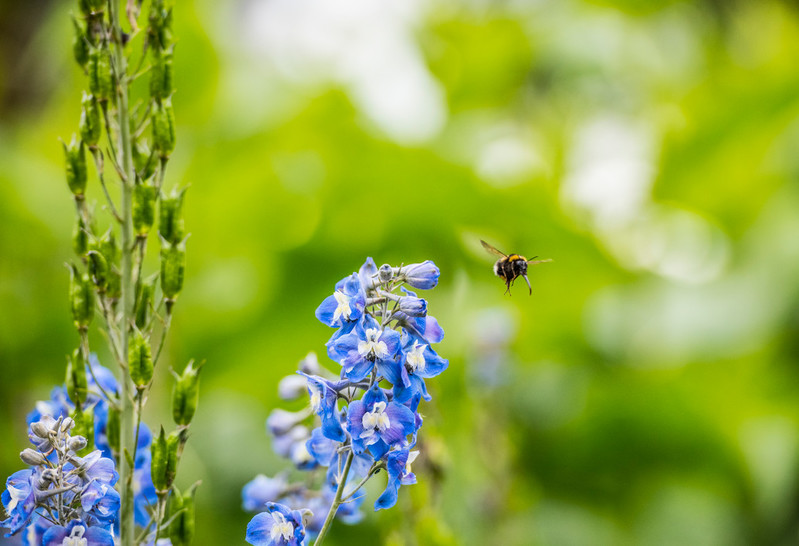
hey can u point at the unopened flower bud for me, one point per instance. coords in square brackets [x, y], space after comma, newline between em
[81, 298]
[31, 457]
[90, 124]
[77, 175]
[161, 74]
[140, 360]
[77, 443]
[99, 67]
[163, 123]
[310, 364]
[40, 429]
[424, 275]
[163, 466]
[77, 387]
[83, 427]
[144, 195]
[385, 273]
[280, 421]
[67, 424]
[80, 43]
[186, 394]
[413, 306]
[170, 218]
[173, 266]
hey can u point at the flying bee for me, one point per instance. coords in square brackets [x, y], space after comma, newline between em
[511, 266]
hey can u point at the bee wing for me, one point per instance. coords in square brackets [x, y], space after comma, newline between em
[533, 262]
[492, 250]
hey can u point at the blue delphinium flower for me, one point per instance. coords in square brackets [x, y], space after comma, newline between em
[18, 500]
[278, 526]
[398, 466]
[367, 419]
[77, 533]
[367, 346]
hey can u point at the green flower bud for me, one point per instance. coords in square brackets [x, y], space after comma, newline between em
[140, 359]
[90, 124]
[98, 270]
[161, 23]
[170, 219]
[107, 245]
[77, 387]
[100, 82]
[163, 123]
[144, 301]
[185, 394]
[80, 44]
[163, 466]
[173, 265]
[181, 530]
[80, 237]
[161, 74]
[143, 160]
[112, 429]
[82, 298]
[77, 175]
[144, 195]
[84, 426]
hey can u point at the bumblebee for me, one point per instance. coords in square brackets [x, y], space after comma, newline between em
[511, 266]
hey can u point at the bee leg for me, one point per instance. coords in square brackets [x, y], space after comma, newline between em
[507, 287]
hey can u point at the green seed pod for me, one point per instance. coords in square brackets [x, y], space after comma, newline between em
[77, 387]
[181, 530]
[144, 302]
[161, 23]
[173, 265]
[80, 44]
[82, 298]
[90, 124]
[185, 394]
[144, 195]
[80, 237]
[107, 245]
[100, 82]
[140, 359]
[112, 429]
[163, 123]
[170, 218]
[77, 175]
[161, 74]
[96, 6]
[143, 160]
[98, 270]
[84, 426]
[163, 466]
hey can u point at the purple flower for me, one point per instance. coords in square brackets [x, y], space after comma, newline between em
[77, 532]
[367, 274]
[367, 346]
[345, 305]
[278, 526]
[419, 362]
[373, 421]
[398, 466]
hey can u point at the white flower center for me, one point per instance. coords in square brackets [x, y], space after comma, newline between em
[75, 538]
[316, 397]
[281, 529]
[415, 357]
[372, 346]
[17, 495]
[377, 419]
[411, 457]
[343, 307]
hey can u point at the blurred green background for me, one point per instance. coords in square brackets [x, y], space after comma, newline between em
[647, 392]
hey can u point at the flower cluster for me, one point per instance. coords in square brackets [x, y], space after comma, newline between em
[62, 498]
[366, 418]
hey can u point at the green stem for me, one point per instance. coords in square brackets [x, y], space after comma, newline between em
[336, 501]
[125, 161]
